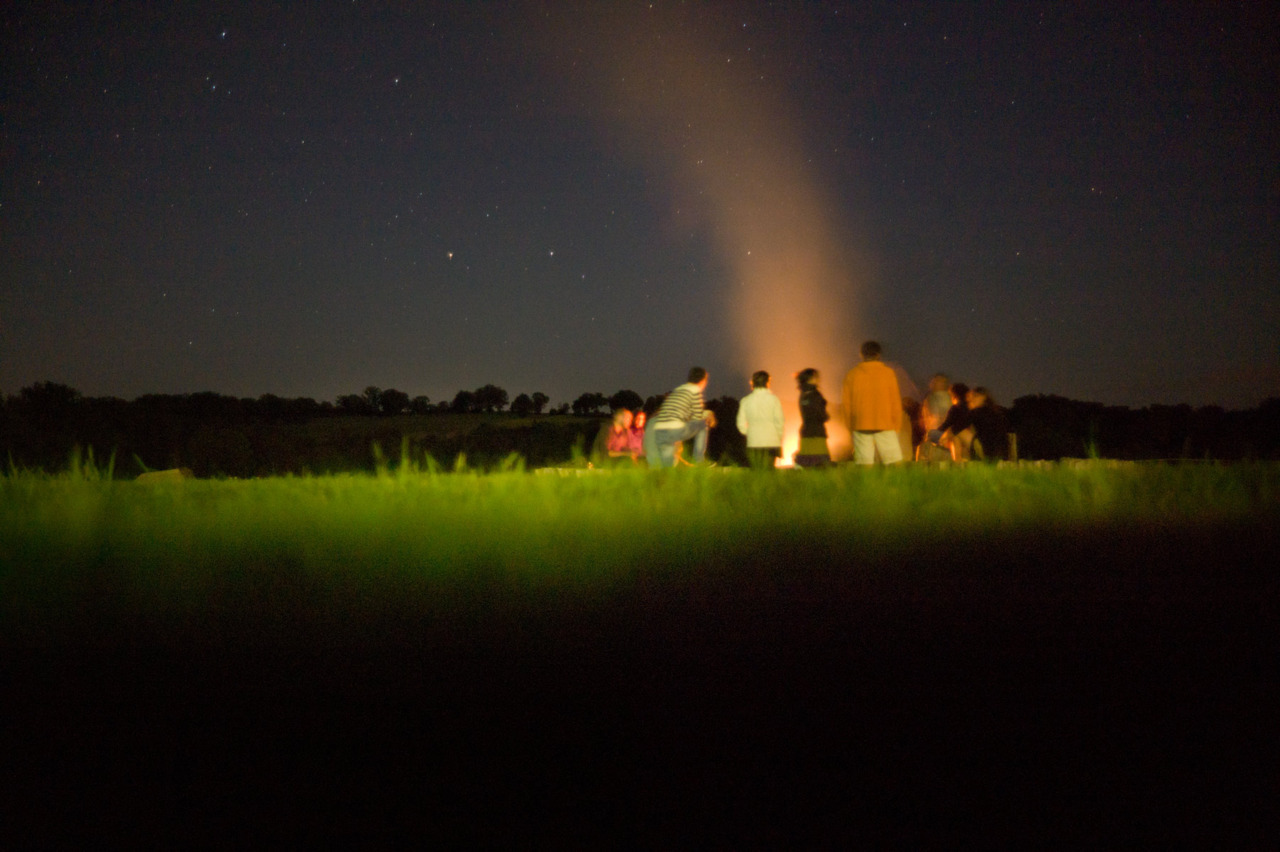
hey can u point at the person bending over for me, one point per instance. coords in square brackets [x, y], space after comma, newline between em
[681, 417]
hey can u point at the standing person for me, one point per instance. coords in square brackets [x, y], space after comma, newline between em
[760, 419]
[681, 417]
[813, 450]
[873, 409]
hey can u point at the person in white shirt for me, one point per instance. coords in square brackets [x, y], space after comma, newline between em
[760, 419]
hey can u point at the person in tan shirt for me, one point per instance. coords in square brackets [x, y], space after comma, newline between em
[873, 409]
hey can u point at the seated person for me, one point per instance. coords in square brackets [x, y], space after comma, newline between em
[613, 442]
[989, 426]
[637, 434]
[952, 431]
[936, 405]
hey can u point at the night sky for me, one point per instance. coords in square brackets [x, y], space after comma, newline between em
[305, 199]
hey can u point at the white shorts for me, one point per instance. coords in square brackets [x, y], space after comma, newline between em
[868, 445]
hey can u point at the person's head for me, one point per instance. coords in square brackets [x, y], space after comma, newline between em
[939, 382]
[698, 376]
[638, 421]
[759, 379]
[870, 351]
[622, 418]
[807, 376]
[979, 397]
[959, 392]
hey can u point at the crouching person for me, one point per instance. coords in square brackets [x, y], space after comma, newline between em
[682, 417]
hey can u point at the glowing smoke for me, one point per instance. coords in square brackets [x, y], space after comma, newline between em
[713, 122]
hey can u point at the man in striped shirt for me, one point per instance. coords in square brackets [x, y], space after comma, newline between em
[681, 417]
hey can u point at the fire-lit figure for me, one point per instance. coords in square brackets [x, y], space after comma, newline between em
[760, 420]
[873, 409]
[813, 450]
[636, 439]
[933, 412]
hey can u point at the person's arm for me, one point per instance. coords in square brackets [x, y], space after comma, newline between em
[699, 407]
[948, 424]
[742, 416]
[778, 420]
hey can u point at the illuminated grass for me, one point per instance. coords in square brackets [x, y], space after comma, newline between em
[75, 546]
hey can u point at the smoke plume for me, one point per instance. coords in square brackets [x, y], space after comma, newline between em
[715, 124]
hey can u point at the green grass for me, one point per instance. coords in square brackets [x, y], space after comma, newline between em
[80, 547]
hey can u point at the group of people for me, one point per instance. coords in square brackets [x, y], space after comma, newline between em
[961, 423]
[682, 417]
[952, 422]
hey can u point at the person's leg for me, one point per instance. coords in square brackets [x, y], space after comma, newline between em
[889, 446]
[649, 442]
[864, 448]
[699, 440]
[695, 430]
[665, 446]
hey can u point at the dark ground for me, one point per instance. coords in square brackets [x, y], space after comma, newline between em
[1112, 690]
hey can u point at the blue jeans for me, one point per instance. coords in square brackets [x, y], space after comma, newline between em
[660, 444]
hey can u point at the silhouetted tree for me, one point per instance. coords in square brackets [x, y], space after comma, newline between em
[392, 401]
[269, 407]
[302, 408]
[46, 424]
[490, 398]
[540, 400]
[653, 403]
[373, 396]
[522, 405]
[626, 399]
[353, 403]
[420, 405]
[48, 400]
[589, 403]
[464, 402]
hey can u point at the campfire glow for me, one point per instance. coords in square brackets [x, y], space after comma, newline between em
[726, 136]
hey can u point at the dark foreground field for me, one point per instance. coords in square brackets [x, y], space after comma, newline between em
[1106, 690]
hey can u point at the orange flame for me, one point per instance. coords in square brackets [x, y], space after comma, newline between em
[718, 126]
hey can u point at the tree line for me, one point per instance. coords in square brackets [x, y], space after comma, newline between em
[487, 399]
[214, 434]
